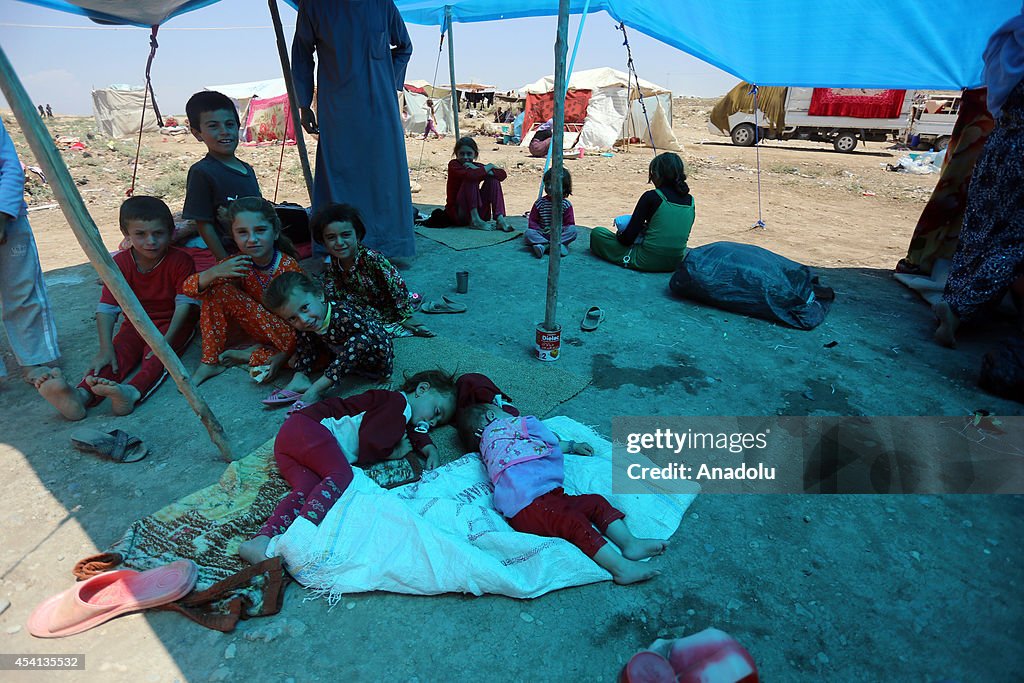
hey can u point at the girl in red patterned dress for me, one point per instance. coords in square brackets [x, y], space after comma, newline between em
[361, 276]
[232, 290]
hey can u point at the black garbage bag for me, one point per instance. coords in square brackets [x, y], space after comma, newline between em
[1002, 370]
[745, 279]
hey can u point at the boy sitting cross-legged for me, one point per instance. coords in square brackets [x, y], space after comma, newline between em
[155, 271]
[220, 177]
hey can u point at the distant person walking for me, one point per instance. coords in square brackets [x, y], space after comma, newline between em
[360, 159]
[49, 112]
[42, 114]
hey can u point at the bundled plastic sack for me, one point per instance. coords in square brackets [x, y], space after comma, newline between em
[745, 279]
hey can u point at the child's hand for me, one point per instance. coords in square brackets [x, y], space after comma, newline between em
[583, 448]
[403, 448]
[102, 359]
[433, 457]
[236, 266]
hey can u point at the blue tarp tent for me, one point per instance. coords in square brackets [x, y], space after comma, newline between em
[934, 44]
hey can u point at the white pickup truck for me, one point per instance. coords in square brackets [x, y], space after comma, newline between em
[928, 129]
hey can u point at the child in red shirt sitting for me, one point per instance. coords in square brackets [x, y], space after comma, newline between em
[155, 271]
[474, 190]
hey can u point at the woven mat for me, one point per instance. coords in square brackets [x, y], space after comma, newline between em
[463, 239]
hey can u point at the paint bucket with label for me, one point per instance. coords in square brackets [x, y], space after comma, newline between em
[549, 343]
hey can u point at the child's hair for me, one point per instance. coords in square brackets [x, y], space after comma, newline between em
[467, 427]
[667, 169]
[466, 142]
[336, 213]
[566, 182]
[206, 101]
[438, 379]
[143, 208]
[266, 209]
[284, 285]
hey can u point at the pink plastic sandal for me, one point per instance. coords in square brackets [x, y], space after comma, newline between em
[105, 596]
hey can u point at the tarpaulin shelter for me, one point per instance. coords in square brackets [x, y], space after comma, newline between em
[263, 109]
[897, 44]
[414, 112]
[606, 104]
[118, 110]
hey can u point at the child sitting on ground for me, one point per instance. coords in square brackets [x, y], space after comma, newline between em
[538, 231]
[654, 237]
[361, 275]
[232, 293]
[156, 272]
[352, 338]
[471, 388]
[318, 445]
[220, 176]
[525, 463]
[474, 190]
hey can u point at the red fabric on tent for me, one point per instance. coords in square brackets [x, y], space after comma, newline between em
[269, 120]
[413, 88]
[540, 108]
[857, 103]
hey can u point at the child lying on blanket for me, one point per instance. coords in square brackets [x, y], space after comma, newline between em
[318, 445]
[470, 388]
[524, 461]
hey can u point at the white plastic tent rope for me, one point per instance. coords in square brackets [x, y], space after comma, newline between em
[760, 224]
[565, 91]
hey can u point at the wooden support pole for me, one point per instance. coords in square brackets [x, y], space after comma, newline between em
[289, 83]
[88, 235]
[451, 68]
[557, 140]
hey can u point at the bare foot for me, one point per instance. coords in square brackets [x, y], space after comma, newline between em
[237, 356]
[123, 397]
[68, 400]
[299, 383]
[634, 572]
[503, 224]
[623, 570]
[480, 224]
[34, 374]
[642, 548]
[254, 550]
[945, 333]
[205, 371]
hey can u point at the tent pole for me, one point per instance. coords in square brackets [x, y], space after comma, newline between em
[88, 236]
[286, 70]
[451, 68]
[557, 137]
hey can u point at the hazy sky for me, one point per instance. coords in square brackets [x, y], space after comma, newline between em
[61, 66]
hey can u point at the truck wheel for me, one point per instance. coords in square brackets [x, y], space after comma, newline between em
[845, 141]
[744, 135]
[941, 143]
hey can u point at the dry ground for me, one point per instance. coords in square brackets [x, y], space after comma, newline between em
[841, 588]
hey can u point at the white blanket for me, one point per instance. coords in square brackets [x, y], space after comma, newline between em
[442, 534]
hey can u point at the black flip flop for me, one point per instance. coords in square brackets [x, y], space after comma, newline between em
[116, 445]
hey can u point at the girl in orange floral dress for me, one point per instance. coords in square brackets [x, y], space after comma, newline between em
[232, 290]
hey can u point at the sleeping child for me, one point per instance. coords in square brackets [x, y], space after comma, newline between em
[524, 462]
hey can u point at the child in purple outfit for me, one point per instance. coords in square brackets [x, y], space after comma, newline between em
[525, 463]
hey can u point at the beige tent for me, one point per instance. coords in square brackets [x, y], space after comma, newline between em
[414, 113]
[118, 110]
[614, 112]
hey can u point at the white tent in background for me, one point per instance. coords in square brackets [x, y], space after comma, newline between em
[118, 110]
[413, 106]
[258, 125]
[241, 93]
[614, 111]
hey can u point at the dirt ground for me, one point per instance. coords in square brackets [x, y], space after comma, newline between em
[818, 588]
